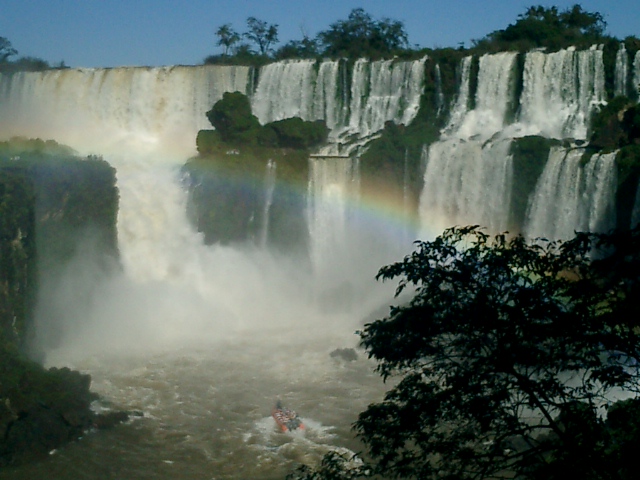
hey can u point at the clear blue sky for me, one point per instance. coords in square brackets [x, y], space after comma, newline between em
[107, 33]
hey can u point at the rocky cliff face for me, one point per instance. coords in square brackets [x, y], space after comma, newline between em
[45, 201]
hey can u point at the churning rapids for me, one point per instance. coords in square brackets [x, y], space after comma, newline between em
[202, 341]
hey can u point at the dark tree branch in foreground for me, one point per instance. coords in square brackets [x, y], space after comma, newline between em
[508, 355]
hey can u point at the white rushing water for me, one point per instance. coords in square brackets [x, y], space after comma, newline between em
[468, 176]
[573, 197]
[560, 91]
[105, 110]
[201, 339]
[378, 92]
[621, 72]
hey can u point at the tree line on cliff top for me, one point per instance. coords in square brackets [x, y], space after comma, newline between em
[361, 35]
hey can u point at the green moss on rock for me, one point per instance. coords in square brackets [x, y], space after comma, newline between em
[297, 133]
[228, 191]
[47, 197]
[232, 118]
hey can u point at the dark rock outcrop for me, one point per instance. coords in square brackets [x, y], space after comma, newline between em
[46, 197]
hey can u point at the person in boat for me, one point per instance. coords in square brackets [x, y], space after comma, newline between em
[287, 419]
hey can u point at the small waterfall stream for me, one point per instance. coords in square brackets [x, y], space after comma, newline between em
[573, 197]
[621, 72]
[269, 187]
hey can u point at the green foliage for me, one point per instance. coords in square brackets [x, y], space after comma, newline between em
[297, 133]
[305, 48]
[227, 191]
[262, 34]
[232, 117]
[47, 198]
[17, 146]
[259, 33]
[333, 467]
[547, 27]
[227, 37]
[358, 36]
[237, 126]
[208, 141]
[623, 423]
[362, 36]
[496, 329]
[17, 250]
[505, 350]
[27, 64]
[242, 55]
[72, 196]
[40, 409]
[394, 161]
[6, 50]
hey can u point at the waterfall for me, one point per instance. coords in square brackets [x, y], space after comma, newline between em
[494, 96]
[466, 182]
[102, 110]
[570, 197]
[286, 89]
[468, 177]
[461, 106]
[331, 95]
[439, 92]
[380, 91]
[269, 187]
[561, 91]
[333, 187]
[621, 72]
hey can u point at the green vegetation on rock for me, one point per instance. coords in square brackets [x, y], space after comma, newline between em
[616, 125]
[17, 251]
[227, 179]
[628, 168]
[48, 198]
[238, 127]
[227, 196]
[547, 27]
[232, 118]
[298, 134]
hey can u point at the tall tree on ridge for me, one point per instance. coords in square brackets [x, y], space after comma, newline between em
[262, 34]
[6, 50]
[227, 37]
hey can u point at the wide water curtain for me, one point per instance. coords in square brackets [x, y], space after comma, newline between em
[469, 173]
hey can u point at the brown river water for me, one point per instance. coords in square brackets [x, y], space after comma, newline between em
[206, 413]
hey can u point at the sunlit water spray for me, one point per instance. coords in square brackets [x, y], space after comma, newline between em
[200, 339]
